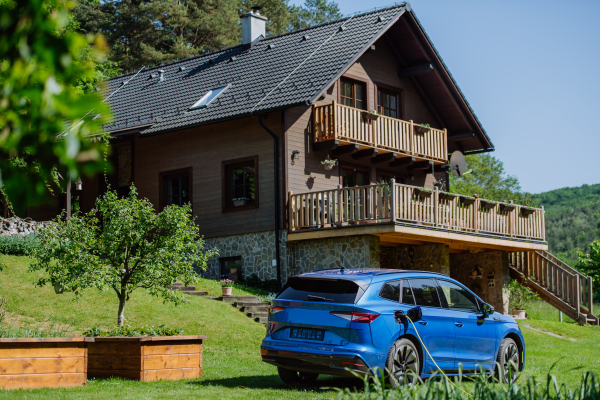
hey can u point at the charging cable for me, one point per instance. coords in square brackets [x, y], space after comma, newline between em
[438, 367]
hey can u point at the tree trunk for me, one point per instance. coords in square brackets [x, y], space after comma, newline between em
[121, 316]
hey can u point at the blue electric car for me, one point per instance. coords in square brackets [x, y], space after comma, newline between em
[341, 320]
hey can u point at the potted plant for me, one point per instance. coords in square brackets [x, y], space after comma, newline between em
[240, 201]
[519, 298]
[440, 184]
[422, 128]
[226, 287]
[233, 268]
[422, 192]
[328, 164]
[488, 204]
[370, 115]
[527, 211]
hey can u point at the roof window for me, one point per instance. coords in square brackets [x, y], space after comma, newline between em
[208, 98]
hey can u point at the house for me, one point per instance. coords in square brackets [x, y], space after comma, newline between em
[369, 91]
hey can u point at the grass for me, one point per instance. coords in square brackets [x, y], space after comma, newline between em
[232, 365]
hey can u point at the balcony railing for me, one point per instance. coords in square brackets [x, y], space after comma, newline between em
[336, 121]
[409, 205]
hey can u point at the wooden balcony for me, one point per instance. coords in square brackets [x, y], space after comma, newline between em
[420, 214]
[351, 125]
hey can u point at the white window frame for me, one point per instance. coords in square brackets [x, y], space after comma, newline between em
[209, 97]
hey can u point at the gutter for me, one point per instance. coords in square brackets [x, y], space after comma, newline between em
[276, 176]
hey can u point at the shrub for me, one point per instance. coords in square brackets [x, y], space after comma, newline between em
[520, 296]
[162, 330]
[253, 281]
[18, 245]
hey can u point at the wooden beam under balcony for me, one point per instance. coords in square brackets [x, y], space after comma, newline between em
[427, 164]
[461, 136]
[347, 149]
[366, 153]
[441, 168]
[402, 162]
[385, 157]
[325, 145]
[416, 70]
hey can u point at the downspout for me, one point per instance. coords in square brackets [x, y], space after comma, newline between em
[276, 167]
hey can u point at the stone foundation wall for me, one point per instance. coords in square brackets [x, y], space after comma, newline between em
[257, 252]
[486, 274]
[434, 258]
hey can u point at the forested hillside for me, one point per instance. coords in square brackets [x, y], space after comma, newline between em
[572, 219]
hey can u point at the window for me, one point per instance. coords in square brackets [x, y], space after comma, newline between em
[457, 297]
[354, 177]
[387, 103]
[208, 98]
[176, 187]
[390, 291]
[407, 294]
[240, 184]
[333, 290]
[425, 292]
[352, 93]
[226, 261]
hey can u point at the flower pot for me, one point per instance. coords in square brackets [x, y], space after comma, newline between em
[233, 270]
[518, 314]
[467, 201]
[527, 211]
[227, 291]
[328, 167]
[421, 129]
[367, 116]
[239, 203]
[507, 207]
[488, 204]
[447, 196]
[422, 193]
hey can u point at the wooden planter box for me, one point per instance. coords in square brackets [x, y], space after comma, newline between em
[527, 211]
[421, 129]
[488, 204]
[507, 207]
[467, 201]
[422, 193]
[31, 363]
[366, 116]
[447, 196]
[146, 358]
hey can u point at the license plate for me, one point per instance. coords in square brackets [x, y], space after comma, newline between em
[307, 333]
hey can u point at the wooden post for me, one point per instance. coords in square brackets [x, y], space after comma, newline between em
[543, 224]
[340, 206]
[412, 137]
[290, 212]
[435, 205]
[333, 120]
[393, 199]
[476, 216]
[560, 316]
[590, 296]
[314, 123]
[577, 295]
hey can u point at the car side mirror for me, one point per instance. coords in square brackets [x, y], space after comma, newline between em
[487, 309]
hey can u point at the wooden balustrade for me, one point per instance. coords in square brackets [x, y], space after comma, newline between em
[411, 205]
[336, 121]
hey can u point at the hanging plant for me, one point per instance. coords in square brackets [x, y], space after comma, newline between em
[328, 164]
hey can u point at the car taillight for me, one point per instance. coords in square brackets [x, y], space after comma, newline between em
[275, 310]
[355, 316]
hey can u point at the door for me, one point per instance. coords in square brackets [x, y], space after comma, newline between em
[475, 342]
[436, 328]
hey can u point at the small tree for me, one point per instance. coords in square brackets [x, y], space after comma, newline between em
[123, 245]
[590, 263]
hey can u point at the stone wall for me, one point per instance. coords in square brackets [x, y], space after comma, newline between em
[434, 258]
[486, 274]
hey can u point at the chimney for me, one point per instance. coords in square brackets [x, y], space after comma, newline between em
[253, 25]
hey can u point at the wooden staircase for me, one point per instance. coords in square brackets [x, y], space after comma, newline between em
[555, 282]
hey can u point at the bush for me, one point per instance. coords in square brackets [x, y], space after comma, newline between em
[18, 245]
[253, 281]
[520, 296]
[162, 330]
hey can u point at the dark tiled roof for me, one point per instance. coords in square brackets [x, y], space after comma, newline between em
[275, 73]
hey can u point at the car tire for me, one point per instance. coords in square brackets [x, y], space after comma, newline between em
[508, 361]
[403, 365]
[307, 378]
[290, 377]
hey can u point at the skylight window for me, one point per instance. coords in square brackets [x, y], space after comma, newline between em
[208, 98]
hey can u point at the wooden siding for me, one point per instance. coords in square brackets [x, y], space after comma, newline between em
[203, 149]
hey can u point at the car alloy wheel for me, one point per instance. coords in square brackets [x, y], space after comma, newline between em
[510, 362]
[403, 363]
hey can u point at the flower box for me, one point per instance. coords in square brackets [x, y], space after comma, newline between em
[421, 129]
[240, 203]
[422, 193]
[367, 116]
[447, 196]
[31, 363]
[527, 211]
[488, 204]
[507, 207]
[467, 201]
[146, 358]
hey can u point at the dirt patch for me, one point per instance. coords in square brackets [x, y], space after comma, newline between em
[548, 333]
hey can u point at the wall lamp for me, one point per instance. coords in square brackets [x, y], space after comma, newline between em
[295, 156]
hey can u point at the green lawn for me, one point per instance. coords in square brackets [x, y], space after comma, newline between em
[232, 365]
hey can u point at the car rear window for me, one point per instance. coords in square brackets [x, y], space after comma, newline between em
[325, 290]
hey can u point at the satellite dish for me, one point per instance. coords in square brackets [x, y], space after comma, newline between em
[457, 163]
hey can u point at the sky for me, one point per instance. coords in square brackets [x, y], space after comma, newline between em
[531, 71]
